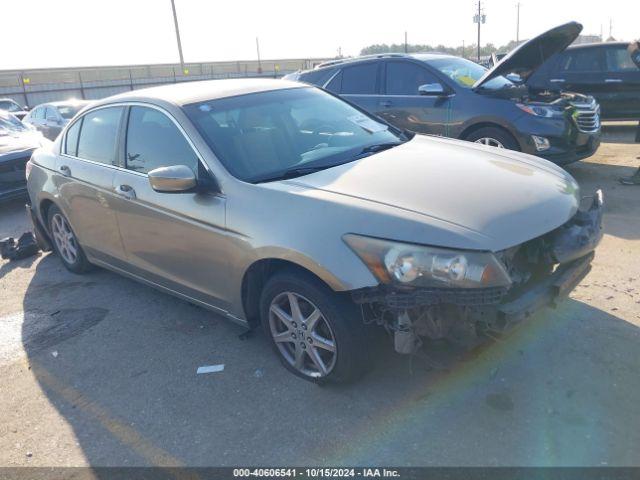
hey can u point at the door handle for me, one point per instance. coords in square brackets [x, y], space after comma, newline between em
[126, 191]
[557, 80]
[612, 80]
[385, 103]
[66, 171]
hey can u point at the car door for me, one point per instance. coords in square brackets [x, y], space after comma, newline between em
[583, 70]
[405, 106]
[86, 166]
[52, 123]
[176, 240]
[359, 84]
[623, 80]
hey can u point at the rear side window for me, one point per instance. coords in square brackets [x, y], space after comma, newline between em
[99, 135]
[619, 60]
[583, 60]
[404, 78]
[317, 77]
[51, 114]
[71, 142]
[360, 79]
[154, 141]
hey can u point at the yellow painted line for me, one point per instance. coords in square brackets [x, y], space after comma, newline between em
[124, 433]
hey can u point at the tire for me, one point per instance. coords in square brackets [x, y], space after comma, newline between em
[499, 135]
[69, 251]
[338, 323]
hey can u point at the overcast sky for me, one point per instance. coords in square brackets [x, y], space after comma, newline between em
[58, 33]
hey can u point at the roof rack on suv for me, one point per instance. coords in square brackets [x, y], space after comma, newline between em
[338, 61]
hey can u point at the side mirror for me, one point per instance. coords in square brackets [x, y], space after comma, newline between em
[173, 179]
[515, 78]
[26, 108]
[434, 89]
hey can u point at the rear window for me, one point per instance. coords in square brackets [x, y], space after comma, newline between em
[360, 79]
[99, 134]
[619, 60]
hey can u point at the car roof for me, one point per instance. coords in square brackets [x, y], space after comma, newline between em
[598, 45]
[67, 103]
[423, 57]
[184, 93]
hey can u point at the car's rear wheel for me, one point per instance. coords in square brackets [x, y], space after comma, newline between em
[493, 137]
[65, 242]
[314, 331]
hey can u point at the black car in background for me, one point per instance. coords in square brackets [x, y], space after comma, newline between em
[17, 143]
[454, 97]
[605, 71]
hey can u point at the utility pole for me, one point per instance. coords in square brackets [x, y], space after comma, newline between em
[258, 50]
[463, 49]
[479, 18]
[406, 47]
[175, 23]
[610, 28]
[518, 25]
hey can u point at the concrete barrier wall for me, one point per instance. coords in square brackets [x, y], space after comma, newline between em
[33, 87]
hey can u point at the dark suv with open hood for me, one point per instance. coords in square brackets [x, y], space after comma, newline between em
[454, 97]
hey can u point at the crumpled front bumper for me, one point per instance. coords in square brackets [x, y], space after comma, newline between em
[569, 247]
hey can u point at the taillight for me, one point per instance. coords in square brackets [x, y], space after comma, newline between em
[27, 169]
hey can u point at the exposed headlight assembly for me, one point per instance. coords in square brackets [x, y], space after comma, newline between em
[539, 110]
[406, 264]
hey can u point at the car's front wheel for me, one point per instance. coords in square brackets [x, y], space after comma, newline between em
[493, 137]
[65, 242]
[315, 332]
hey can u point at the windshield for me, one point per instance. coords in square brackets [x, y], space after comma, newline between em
[68, 111]
[9, 122]
[263, 136]
[10, 106]
[466, 73]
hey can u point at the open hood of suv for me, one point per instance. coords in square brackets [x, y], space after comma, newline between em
[530, 55]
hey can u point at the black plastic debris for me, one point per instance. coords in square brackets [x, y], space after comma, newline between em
[25, 247]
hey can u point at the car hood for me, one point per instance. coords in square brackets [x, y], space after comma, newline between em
[503, 197]
[527, 57]
[19, 141]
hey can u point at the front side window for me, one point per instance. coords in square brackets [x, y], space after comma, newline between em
[404, 78]
[39, 113]
[359, 79]
[51, 114]
[287, 133]
[583, 60]
[154, 141]
[99, 134]
[68, 112]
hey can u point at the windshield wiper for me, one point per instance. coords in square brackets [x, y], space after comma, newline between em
[378, 147]
[295, 172]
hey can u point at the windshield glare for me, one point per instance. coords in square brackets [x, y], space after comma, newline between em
[466, 73]
[263, 135]
[10, 106]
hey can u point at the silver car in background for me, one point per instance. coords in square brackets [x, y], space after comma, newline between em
[51, 118]
[277, 203]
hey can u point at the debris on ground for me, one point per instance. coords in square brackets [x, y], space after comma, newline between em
[26, 246]
[210, 369]
[54, 354]
[258, 373]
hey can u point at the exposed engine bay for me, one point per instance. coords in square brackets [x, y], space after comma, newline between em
[542, 271]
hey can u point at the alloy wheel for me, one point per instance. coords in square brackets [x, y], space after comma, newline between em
[492, 142]
[64, 238]
[302, 334]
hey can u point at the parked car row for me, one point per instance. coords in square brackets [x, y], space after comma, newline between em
[454, 97]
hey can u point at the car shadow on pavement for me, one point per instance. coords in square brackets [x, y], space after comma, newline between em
[118, 362]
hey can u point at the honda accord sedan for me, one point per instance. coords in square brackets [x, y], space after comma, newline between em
[280, 204]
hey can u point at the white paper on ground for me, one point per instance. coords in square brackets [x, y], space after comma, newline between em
[210, 368]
